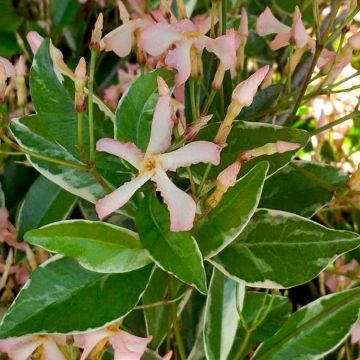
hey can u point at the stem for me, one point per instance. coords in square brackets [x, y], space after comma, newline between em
[80, 131]
[175, 321]
[242, 351]
[193, 100]
[318, 50]
[158, 303]
[209, 101]
[192, 182]
[204, 178]
[90, 105]
[334, 123]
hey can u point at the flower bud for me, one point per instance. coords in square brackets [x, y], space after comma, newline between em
[196, 126]
[270, 149]
[165, 8]
[97, 34]
[196, 63]
[3, 84]
[226, 179]
[124, 14]
[80, 81]
[243, 32]
[34, 40]
[267, 80]
[354, 41]
[181, 8]
[218, 78]
[21, 90]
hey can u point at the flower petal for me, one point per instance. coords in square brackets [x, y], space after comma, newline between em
[227, 177]
[127, 346]
[127, 151]
[300, 35]
[192, 153]
[162, 124]
[181, 206]
[20, 348]
[280, 40]
[155, 39]
[354, 41]
[8, 66]
[224, 47]
[179, 59]
[88, 341]
[120, 196]
[120, 40]
[267, 24]
[51, 351]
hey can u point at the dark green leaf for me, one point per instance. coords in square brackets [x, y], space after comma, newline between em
[280, 250]
[229, 218]
[291, 190]
[175, 252]
[315, 330]
[9, 19]
[63, 297]
[96, 245]
[44, 203]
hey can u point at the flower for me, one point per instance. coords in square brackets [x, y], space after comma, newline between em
[268, 24]
[279, 147]
[125, 345]
[189, 40]
[22, 347]
[154, 163]
[9, 69]
[121, 39]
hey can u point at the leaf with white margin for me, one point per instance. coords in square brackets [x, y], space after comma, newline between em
[96, 245]
[315, 330]
[290, 190]
[221, 319]
[63, 297]
[279, 250]
[174, 252]
[229, 218]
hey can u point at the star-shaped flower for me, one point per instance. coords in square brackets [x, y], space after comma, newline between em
[154, 163]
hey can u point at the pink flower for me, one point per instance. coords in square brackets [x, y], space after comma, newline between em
[21, 348]
[354, 41]
[125, 345]
[267, 24]
[121, 39]
[185, 35]
[154, 163]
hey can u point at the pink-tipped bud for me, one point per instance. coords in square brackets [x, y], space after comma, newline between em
[267, 80]
[354, 41]
[227, 178]
[34, 40]
[3, 84]
[124, 14]
[269, 149]
[244, 93]
[196, 126]
[80, 82]
[244, 27]
[97, 33]
[218, 78]
[20, 66]
[168, 355]
[162, 86]
[80, 71]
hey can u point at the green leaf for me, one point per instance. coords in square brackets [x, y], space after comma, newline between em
[275, 310]
[136, 108]
[248, 135]
[63, 297]
[221, 320]
[228, 219]
[262, 102]
[279, 250]
[315, 330]
[64, 11]
[9, 20]
[156, 318]
[44, 203]
[8, 45]
[96, 245]
[174, 252]
[290, 190]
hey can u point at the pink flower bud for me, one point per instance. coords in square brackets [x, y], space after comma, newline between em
[267, 80]
[20, 66]
[227, 178]
[8, 68]
[244, 93]
[124, 14]
[97, 33]
[354, 41]
[196, 126]
[34, 40]
[244, 27]
[80, 71]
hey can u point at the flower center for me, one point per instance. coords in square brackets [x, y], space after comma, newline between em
[190, 35]
[150, 163]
